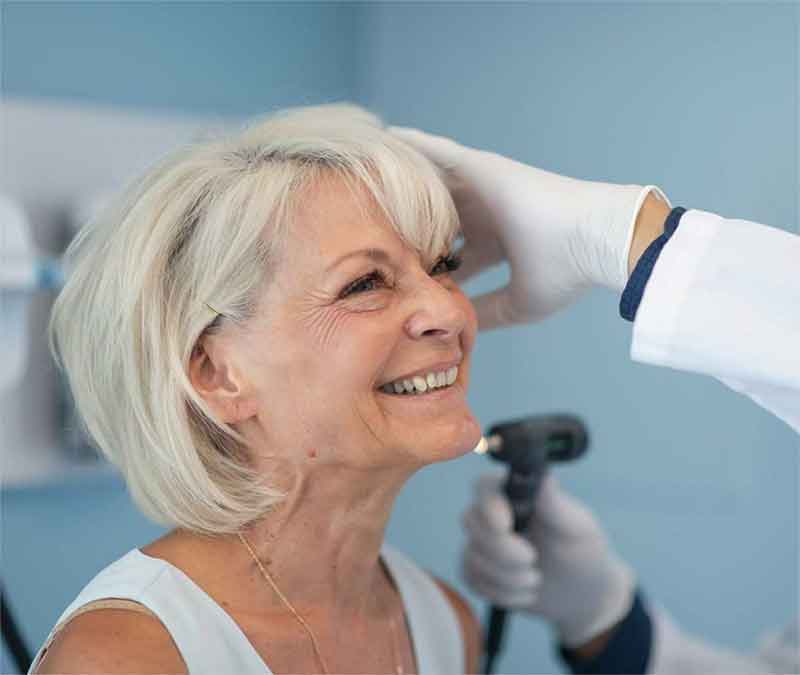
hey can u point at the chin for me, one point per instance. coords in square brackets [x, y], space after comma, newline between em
[441, 449]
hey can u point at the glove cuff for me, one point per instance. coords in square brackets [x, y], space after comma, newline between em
[609, 226]
[627, 650]
[605, 610]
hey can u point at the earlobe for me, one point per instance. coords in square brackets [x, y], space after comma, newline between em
[214, 381]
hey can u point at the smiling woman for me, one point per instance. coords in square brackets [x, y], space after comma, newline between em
[250, 334]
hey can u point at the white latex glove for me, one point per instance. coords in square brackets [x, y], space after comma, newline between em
[562, 569]
[560, 235]
[781, 649]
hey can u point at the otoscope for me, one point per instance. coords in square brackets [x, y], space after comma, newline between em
[527, 445]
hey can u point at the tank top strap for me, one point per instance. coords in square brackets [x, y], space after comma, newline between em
[433, 623]
[208, 639]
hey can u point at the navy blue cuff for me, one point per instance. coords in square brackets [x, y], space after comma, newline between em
[634, 289]
[628, 649]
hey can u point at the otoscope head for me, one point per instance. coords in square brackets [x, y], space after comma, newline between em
[529, 443]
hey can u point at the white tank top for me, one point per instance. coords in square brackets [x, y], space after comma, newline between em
[211, 642]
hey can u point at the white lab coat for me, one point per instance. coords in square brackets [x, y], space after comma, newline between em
[724, 300]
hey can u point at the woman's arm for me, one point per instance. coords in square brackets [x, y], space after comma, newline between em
[112, 641]
[471, 631]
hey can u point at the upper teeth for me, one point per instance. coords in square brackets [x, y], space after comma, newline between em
[421, 384]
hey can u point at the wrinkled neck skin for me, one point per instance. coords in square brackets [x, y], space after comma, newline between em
[322, 544]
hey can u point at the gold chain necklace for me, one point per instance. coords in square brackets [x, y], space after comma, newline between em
[288, 604]
[398, 665]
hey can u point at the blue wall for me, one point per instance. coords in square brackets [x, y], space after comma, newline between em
[697, 487]
[226, 58]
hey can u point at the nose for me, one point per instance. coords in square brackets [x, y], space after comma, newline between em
[438, 311]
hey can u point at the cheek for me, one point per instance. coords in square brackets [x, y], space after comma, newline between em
[330, 325]
[344, 346]
[470, 323]
[323, 328]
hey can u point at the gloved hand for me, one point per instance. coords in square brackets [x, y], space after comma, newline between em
[562, 569]
[560, 235]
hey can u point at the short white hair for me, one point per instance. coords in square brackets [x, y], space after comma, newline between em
[200, 230]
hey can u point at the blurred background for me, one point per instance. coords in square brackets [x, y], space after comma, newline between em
[697, 487]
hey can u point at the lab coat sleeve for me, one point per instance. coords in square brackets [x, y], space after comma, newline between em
[647, 640]
[675, 652]
[723, 299]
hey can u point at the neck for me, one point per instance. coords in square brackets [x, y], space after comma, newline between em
[322, 545]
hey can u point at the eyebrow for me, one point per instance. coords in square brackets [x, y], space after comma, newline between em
[376, 254]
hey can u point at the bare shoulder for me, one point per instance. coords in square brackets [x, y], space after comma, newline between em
[112, 641]
[470, 626]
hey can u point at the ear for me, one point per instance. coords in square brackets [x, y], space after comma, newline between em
[217, 381]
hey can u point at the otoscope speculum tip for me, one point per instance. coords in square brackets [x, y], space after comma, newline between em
[488, 444]
[482, 447]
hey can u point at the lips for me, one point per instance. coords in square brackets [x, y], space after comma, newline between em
[420, 385]
[436, 376]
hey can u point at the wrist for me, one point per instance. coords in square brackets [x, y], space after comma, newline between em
[604, 604]
[594, 646]
[608, 225]
[628, 647]
[649, 225]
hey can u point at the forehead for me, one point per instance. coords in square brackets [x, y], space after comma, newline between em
[334, 216]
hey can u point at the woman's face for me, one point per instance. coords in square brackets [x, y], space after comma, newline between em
[350, 309]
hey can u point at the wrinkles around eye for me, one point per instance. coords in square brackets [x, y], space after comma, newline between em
[444, 265]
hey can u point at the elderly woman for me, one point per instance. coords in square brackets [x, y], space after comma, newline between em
[264, 336]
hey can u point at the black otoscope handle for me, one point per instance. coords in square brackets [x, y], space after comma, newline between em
[521, 490]
[527, 446]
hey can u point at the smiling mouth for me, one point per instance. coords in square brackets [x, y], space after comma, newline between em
[421, 384]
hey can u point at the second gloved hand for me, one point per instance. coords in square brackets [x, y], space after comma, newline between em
[560, 235]
[562, 569]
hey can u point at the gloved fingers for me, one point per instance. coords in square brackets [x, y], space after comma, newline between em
[472, 262]
[490, 567]
[496, 309]
[556, 511]
[491, 504]
[511, 600]
[442, 151]
[499, 590]
[480, 251]
[508, 599]
[491, 483]
[509, 550]
[489, 523]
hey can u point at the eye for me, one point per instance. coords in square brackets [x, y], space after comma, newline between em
[447, 263]
[366, 283]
